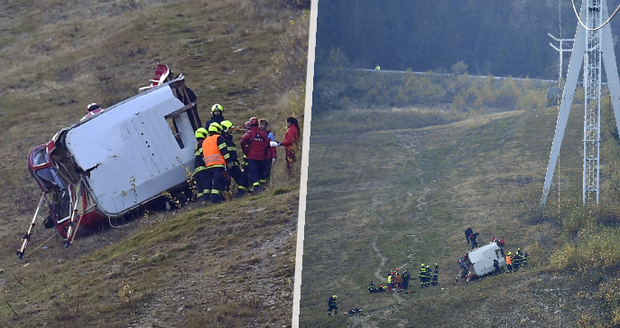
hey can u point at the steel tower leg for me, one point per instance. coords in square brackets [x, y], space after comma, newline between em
[574, 67]
[599, 49]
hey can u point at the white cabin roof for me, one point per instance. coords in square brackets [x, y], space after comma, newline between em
[130, 151]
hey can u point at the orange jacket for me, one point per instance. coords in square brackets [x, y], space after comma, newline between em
[508, 260]
[211, 151]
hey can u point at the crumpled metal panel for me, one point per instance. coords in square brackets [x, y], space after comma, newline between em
[130, 153]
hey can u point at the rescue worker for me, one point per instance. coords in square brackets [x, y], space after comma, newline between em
[271, 151]
[291, 138]
[526, 257]
[406, 277]
[398, 282]
[435, 275]
[91, 110]
[509, 262]
[473, 237]
[496, 267]
[217, 115]
[200, 175]
[422, 275]
[390, 280]
[234, 167]
[516, 260]
[333, 305]
[429, 274]
[468, 233]
[215, 153]
[372, 288]
[255, 145]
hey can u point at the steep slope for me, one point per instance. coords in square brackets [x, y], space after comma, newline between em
[398, 198]
[229, 265]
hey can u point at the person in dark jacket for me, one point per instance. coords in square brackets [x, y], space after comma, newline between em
[406, 277]
[468, 233]
[200, 176]
[234, 167]
[217, 115]
[255, 145]
[333, 305]
[263, 124]
[473, 237]
[422, 275]
[435, 275]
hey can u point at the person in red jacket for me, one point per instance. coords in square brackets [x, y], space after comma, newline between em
[291, 138]
[255, 145]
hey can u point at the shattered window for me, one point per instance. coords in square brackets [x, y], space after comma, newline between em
[175, 131]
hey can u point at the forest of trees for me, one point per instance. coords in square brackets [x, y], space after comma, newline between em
[501, 38]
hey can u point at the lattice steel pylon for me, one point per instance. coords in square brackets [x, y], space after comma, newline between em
[596, 46]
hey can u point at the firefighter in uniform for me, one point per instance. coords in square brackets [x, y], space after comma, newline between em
[525, 258]
[333, 305]
[509, 262]
[422, 275]
[234, 169]
[435, 275]
[429, 274]
[255, 145]
[217, 115]
[517, 259]
[200, 176]
[215, 153]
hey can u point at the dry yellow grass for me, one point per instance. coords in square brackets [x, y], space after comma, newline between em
[57, 57]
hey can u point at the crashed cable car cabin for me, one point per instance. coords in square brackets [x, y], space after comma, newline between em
[116, 161]
[479, 262]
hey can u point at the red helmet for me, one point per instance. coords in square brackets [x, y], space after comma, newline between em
[253, 121]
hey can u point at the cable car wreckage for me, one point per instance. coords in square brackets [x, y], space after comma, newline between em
[482, 261]
[118, 160]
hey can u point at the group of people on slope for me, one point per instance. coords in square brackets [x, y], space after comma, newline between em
[427, 276]
[216, 160]
[395, 282]
[471, 236]
[514, 261]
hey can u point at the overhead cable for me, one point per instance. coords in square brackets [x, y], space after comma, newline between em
[593, 29]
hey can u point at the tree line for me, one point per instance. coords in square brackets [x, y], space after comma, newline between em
[502, 38]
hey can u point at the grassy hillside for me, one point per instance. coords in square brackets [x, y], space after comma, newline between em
[229, 265]
[390, 199]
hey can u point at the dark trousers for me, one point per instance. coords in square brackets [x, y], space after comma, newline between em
[215, 182]
[240, 178]
[256, 172]
[267, 168]
[200, 178]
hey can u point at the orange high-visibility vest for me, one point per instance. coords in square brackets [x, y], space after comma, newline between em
[211, 151]
[508, 260]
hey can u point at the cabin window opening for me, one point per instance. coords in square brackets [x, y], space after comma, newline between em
[39, 157]
[172, 124]
[47, 176]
